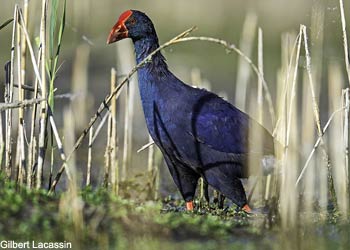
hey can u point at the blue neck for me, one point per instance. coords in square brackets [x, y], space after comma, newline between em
[143, 48]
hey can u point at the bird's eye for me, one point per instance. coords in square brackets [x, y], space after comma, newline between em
[132, 21]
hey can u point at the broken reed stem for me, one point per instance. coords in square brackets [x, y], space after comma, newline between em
[43, 106]
[345, 39]
[146, 146]
[179, 38]
[89, 160]
[24, 86]
[100, 126]
[114, 138]
[20, 104]
[9, 99]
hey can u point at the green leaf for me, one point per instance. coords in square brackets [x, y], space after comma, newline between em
[53, 20]
[6, 23]
[56, 56]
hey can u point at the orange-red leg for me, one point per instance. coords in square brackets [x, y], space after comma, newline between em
[189, 205]
[246, 208]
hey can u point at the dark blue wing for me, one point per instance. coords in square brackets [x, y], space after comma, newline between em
[221, 126]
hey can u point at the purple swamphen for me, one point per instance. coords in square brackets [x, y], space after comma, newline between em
[198, 133]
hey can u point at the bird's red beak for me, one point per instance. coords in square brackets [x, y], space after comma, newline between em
[119, 30]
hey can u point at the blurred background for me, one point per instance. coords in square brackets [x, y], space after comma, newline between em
[84, 50]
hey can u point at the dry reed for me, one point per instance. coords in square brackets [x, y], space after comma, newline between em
[246, 45]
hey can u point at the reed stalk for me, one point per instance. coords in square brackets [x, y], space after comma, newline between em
[150, 162]
[345, 39]
[43, 106]
[71, 204]
[9, 99]
[107, 155]
[289, 201]
[308, 135]
[261, 70]
[2, 142]
[80, 85]
[114, 137]
[21, 144]
[38, 77]
[100, 126]
[126, 133]
[311, 82]
[89, 160]
[32, 152]
[246, 45]
[316, 113]
[48, 112]
[21, 91]
[338, 154]
[259, 102]
[126, 61]
[150, 166]
[158, 158]
[346, 137]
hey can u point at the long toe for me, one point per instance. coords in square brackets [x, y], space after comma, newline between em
[189, 205]
[247, 209]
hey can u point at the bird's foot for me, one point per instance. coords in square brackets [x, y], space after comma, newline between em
[247, 209]
[189, 205]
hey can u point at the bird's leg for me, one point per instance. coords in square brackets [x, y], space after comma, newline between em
[247, 209]
[230, 187]
[185, 179]
[189, 205]
[221, 200]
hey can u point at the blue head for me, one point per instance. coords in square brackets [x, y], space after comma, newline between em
[132, 24]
